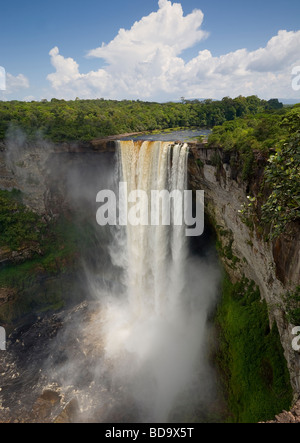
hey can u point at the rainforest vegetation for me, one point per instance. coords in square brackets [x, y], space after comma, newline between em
[253, 368]
[267, 145]
[60, 120]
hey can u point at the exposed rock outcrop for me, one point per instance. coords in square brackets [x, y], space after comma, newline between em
[293, 416]
[274, 266]
[8, 256]
[7, 295]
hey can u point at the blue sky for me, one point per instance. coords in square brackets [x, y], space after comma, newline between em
[164, 69]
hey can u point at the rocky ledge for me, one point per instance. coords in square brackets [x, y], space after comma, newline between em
[293, 416]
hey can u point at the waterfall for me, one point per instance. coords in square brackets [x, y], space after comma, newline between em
[156, 254]
[154, 331]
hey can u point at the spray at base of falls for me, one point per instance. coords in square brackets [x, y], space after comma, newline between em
[155, 332]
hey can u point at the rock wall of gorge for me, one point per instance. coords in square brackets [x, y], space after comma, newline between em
[273, 266]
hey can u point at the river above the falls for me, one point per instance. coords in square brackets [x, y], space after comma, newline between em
[182, 135]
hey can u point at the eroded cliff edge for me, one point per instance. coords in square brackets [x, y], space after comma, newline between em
[274, 265]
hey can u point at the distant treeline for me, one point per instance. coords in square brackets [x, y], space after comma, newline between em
[60, 120]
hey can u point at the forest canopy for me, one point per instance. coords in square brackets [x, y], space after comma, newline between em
[60, 120]
[271, 140]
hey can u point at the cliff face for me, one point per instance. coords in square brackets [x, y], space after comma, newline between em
[274, 266]
[41, 170]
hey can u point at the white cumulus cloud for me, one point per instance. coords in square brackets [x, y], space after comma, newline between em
[13, 84]
[165, 29]
[66, 69]
[281, 50]
[146, 62]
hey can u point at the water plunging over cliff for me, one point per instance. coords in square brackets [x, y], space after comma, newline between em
[156, 332]
[156, 254]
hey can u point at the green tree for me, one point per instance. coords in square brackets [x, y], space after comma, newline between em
[283, 177]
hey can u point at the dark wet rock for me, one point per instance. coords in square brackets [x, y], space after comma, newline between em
[70, 413]
[21, 255]
[22, 370]
[37, 358]
[51, 397]
[43, 407]
[6, 295]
